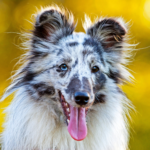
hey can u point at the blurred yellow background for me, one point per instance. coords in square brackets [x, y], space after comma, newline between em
[15, 16]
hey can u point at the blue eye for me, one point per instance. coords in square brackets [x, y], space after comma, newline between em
[95, 69]
[63, 67]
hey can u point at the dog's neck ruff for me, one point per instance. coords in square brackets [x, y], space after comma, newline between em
[47, 129]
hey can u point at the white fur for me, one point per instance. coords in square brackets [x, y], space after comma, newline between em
[38, 123]
[35, 125]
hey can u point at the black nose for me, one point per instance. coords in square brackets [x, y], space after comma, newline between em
[81, 98]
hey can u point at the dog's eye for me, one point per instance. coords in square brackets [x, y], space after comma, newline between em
[95, 69]
[63, 67]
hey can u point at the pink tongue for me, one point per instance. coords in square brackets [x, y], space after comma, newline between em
[77, 125]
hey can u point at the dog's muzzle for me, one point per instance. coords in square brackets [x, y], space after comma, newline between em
[76, 116]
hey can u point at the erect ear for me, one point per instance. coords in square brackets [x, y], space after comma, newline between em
[109, 31]
[111, 34]
[53, 22]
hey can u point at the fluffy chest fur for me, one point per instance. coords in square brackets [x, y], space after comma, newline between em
[67, 94]
[40, 126]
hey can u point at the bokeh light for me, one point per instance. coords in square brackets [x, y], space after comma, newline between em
[147, 9]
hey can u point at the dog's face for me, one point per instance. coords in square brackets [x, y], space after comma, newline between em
[72, 69]
[77, 69]
[77, 76]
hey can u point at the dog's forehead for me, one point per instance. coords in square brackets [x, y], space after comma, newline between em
[78, 37]
[82, 43]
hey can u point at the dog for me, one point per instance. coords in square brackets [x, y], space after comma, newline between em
[67, 92]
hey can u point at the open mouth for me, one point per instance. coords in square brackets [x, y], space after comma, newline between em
[76, 119]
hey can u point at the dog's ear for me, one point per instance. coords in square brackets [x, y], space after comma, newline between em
[53, 21]
[112, 35]
[109, 31]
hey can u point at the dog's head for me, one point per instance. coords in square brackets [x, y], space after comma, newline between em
[72, 69]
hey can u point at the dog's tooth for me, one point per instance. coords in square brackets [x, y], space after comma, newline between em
[66, 104]
[68, 109]
[68, 121]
